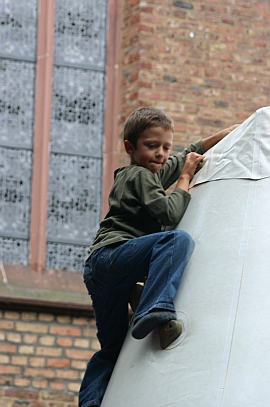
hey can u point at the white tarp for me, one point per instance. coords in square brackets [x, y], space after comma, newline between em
[223, 357]
[244, 153]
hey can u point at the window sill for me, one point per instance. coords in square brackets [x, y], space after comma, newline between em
[52, 291]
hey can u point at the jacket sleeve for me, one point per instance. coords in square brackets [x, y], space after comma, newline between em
[168, 209]
[170, 172]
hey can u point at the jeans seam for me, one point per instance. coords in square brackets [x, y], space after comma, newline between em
[171, 262]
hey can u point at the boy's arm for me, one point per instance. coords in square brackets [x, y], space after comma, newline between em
[170, 172]
[210, 141]
[174, 167]
[193, 159]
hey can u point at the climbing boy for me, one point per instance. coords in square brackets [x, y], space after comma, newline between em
[132, 245]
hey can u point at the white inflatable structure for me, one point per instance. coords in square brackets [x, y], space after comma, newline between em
[222, 359]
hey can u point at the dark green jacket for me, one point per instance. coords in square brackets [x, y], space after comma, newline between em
[138, 204]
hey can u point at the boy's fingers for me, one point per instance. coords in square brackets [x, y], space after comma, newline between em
[231, 128]
[200, 158]
[195, 156]
[199, 166]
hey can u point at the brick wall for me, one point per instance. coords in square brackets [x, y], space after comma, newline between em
[206, 63]
[43, 358]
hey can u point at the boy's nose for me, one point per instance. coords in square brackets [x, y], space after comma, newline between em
[159, 152]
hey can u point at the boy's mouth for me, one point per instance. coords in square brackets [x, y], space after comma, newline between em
[156, 165]
[156, 162]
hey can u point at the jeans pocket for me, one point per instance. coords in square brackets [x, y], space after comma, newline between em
[121, 259]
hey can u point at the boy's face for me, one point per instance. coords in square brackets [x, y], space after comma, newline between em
[153, 148]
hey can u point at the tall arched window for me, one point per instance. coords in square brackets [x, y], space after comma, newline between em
[52, 103]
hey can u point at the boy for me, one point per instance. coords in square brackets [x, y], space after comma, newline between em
[131, 243]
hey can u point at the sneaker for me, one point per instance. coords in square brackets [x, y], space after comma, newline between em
[169, 332]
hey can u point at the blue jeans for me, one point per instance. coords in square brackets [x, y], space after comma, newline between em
[110, 275]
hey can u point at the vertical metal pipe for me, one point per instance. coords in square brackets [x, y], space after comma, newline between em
[110, 151]
[41, 147]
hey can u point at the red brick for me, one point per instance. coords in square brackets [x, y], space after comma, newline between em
[26, 350]
[133, 57]
[260, 43]
[4, 359]
[67, 374]
[36, 362]
[46, 317]
[5, 348]
[133, 96]
[46, 351]
[40, 384]
[133, 77]
[179, 13]
[58, 362]
[47, 340]
[79, 354]
[14, 337]
[9, 370]
[63, 319]
[31, 327]
[59, 386]
[74, 387]
[65, 330]
[79, 364]
[7, 325]
[226, 57]
[57, 396]
[146, 65]
[30, 339]
[32, 372]
[22, 382]
[19, 360]
[29, 316]
[66, 342]
[81, 343]
[146, 28]
[134, 19]
[95, 345]
[11, 315]
[23, 394]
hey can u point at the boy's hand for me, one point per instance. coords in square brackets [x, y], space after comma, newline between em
[191, 164]
[210, 141]
[223, 133]
[188, 171]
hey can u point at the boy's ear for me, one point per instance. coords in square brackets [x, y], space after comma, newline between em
[129, 147]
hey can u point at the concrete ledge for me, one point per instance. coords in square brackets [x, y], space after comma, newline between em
[51, 307]
[53, 291]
